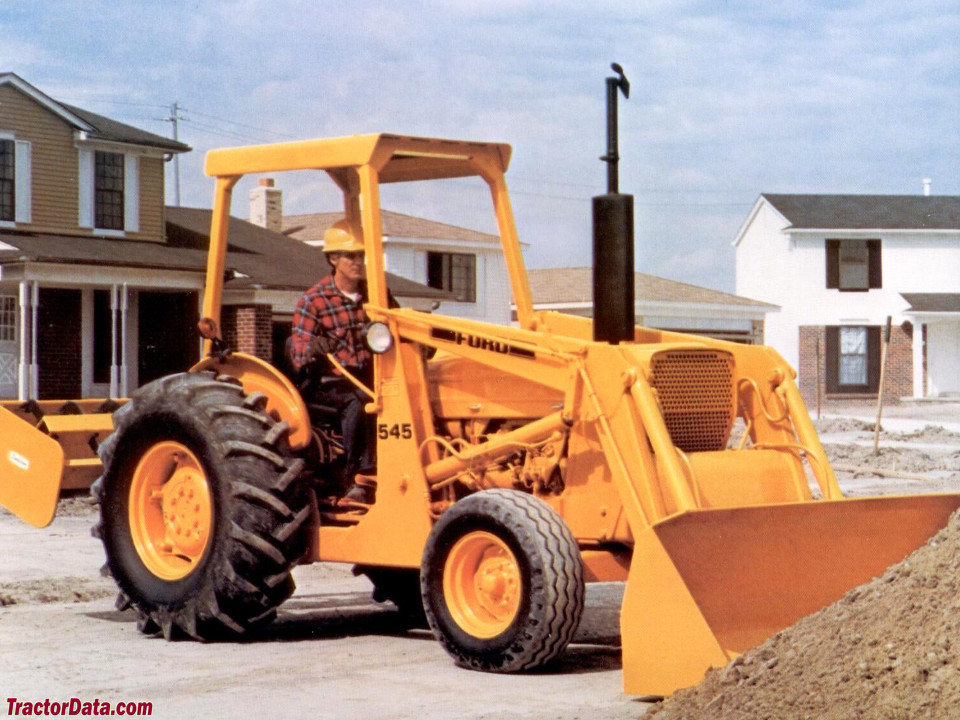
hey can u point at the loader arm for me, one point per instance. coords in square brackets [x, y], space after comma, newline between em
[726, 542]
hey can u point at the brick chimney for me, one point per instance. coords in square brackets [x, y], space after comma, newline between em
[266, 205]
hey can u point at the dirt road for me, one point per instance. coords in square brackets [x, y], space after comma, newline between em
[333, 652]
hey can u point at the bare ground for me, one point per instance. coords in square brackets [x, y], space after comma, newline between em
[333, 652]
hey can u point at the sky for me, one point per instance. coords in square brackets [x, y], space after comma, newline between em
[728, 100]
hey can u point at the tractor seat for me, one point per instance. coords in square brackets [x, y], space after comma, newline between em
[322, 414]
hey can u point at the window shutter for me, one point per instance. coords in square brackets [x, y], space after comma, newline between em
[873, 358]
[832, 358]
[876, 267]
[131, 193]
[24, 182]
[833, 264]
[86, 188]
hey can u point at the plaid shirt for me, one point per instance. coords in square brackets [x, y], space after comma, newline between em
[324, 310]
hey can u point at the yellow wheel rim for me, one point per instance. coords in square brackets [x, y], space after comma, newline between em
[482, 585]
[171, 512]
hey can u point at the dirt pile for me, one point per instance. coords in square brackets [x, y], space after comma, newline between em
[842, 424]
[889, 650]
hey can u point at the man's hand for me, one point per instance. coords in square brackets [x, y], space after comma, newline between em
[320, 346]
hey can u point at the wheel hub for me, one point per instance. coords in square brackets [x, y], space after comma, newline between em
[186, 510]
[482, 584]
[171, 511]
[496, 585]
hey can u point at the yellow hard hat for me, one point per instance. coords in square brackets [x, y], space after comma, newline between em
[342, 236]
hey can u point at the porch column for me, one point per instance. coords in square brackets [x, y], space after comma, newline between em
[919, 353]
[114, 365]
[124, 306]
[34, 383]
[23, 365]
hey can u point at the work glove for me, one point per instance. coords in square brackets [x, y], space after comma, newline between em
[320, 346]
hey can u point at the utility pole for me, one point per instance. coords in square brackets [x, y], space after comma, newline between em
[175, 120]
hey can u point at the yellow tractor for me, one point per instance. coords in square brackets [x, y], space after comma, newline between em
[515, 464]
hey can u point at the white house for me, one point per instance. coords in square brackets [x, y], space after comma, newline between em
[465, 263]
[658, 303]
[838, 266]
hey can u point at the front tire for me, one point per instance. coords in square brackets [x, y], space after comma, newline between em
[202, 510]
[502, 582]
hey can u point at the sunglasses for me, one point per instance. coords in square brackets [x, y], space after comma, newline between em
[353, 256]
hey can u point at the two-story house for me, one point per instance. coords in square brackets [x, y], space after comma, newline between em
[100, 283]
[838, 266]
[74, 184]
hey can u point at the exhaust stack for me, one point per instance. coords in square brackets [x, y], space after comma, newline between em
[613, 291]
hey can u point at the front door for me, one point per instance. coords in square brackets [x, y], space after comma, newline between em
[9, 355]
[169, 342]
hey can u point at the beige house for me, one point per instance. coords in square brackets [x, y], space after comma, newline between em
[100, 282]
[78, 191]
[659, 303]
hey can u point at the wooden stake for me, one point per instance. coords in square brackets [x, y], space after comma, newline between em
[883, 369]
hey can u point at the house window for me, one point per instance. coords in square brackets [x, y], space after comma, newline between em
[853, 356]
[454, 272]
[8, 178]
[853, 265]
[8, 318]
[853, 359]
[108, 190]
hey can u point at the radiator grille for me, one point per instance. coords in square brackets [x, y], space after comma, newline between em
[696, 395]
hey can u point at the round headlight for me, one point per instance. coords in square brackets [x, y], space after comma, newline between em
[378, 338]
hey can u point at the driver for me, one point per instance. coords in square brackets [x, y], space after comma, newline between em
[330, 318]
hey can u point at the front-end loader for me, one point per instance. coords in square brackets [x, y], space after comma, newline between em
[515, 464]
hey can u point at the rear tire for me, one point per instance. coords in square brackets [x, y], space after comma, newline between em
[202, 510]
[502, 582]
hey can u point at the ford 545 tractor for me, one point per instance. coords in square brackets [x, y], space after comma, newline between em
[515, 464]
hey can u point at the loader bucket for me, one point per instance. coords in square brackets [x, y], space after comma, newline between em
[31, 466]
[705, 586]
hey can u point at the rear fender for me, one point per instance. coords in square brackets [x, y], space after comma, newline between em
[256, 375]
[31, 469]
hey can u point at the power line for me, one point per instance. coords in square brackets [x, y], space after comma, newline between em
[175, 121]
[637, 200]
[220, 131]
[240, 124]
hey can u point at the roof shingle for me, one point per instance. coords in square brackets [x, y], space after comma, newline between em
[933, 302]
[106, 129]
[575, 285]
[260, 257]
[310, 228]
[868, 212]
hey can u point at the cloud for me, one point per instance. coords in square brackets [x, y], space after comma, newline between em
[729, 99]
